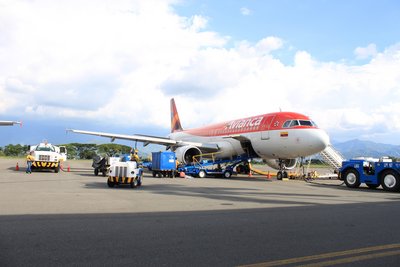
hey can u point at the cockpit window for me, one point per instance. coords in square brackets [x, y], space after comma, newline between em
[286, 124]
[305, 123]
[294, 123]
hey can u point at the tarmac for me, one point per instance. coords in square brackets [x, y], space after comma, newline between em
[79, 191]
[74, 218]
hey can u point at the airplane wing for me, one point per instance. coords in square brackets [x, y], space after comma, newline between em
[9, 123]
[141, 138]
[148, 139]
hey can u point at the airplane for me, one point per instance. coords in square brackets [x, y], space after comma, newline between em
[278, 138]
[9, 123]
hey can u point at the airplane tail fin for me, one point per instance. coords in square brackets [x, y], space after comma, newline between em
[175, 121]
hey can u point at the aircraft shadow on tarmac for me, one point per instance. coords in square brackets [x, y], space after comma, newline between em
[362, 189]
[225, 194]
[249, 195]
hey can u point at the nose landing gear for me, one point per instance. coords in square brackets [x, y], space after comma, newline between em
[282, 173]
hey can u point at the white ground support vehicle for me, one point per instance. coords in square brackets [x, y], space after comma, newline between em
[125, 173]
[48, 156]
[102, 164]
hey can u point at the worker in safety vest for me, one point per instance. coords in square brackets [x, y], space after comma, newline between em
[134, 156]
[29, 160]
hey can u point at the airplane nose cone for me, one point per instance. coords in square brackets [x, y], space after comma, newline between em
[310, 142]
[314, 141]
[320, 140]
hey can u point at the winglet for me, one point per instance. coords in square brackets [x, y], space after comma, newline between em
[175, 121]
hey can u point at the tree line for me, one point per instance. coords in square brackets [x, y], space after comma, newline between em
[74, 150]
[88, 151]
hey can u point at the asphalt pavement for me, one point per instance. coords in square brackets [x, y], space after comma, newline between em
[74, 219]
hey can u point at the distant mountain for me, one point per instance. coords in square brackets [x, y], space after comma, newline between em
[358, 148]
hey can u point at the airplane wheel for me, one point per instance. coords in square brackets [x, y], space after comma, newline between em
[227, 174]
[390, 181]
[279, 175]
[352, 178]
[202, 174]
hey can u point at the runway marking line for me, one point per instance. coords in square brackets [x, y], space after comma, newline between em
[335, 254]
[353, 259]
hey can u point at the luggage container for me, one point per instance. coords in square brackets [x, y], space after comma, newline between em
[164, 164]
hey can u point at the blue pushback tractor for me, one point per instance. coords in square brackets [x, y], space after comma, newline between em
[372, 172]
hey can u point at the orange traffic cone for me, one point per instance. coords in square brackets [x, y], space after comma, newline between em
[250, 175]
[17, 167]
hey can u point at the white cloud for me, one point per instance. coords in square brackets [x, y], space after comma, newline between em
[198, 23]
[245, 11]
[365, 52]
[269, 44]
[121, 61]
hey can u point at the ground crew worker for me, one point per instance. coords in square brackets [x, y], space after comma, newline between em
[29, 160]
[134, 156]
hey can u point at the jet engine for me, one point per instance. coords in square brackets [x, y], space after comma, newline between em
[184, 154]
[287, 164]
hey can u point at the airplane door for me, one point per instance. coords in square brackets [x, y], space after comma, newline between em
[265, 133]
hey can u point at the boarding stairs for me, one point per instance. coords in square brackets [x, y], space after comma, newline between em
[332, 157]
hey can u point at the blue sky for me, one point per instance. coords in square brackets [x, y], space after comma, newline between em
[329, 29]
[113, 65]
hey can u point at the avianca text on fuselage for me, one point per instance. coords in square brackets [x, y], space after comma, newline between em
[245, 124]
